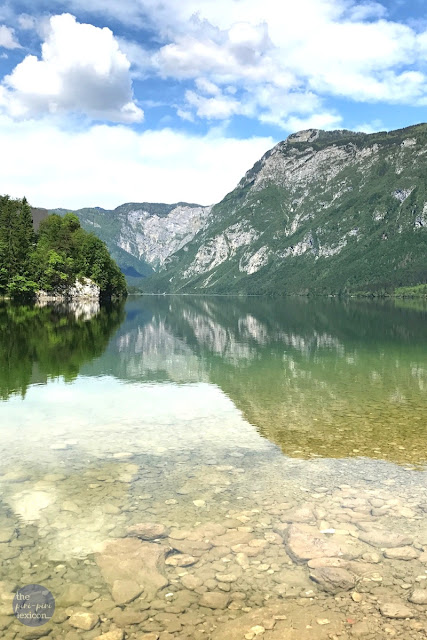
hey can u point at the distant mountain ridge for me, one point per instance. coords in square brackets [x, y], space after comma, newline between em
[142, 236]
[323, 212]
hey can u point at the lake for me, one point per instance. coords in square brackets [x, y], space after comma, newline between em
[216, 468]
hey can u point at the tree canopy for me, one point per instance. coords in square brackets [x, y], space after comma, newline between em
[54, 258]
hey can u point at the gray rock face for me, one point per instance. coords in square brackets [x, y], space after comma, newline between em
[154, 238]
[85, 290]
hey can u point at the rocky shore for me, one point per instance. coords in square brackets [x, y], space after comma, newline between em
[84, 289]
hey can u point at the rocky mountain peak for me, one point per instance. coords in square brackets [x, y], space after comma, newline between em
[308, 135]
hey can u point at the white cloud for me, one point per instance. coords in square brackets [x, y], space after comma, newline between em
[298, 55]
[366, 10]
[234, 57]
[243, 53]
[107, 165]
[206, 86]
[139, 58]
[322, 47]
[325, 120]
[218, 107]
[370, 127]
[81, 70]
[8, 39]
[27, 22]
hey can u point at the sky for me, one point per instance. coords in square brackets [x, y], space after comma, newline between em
[105, 102]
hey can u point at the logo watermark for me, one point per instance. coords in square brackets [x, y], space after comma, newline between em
[33, 605]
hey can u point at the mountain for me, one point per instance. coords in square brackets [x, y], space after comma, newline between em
[323, 212]
[142, 236]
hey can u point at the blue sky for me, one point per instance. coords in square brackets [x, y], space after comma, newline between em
[104, 102]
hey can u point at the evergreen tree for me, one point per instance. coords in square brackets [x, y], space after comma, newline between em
[25, 238]
[61, 253]
[8, 239]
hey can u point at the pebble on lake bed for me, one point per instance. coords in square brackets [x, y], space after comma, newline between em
[117, 634]
[83, 620]
[397, 610]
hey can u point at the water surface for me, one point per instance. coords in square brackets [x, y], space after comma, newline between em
[250, 431]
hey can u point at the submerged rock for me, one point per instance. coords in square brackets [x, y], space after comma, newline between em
[181, 560]
[384, 539]
[124, 591]
[418, 596]
[402, 553]
[191, 582]
[127, 616]
[131, 559]
[304, 542]
[304, 514]
[147, 531]
[73, 594]
[333, 579]
[232, 538]
[287, 621]
[117, 634]
[397, 610]
[83, 620]
[214, 600]
[6, 534]
[191, 547]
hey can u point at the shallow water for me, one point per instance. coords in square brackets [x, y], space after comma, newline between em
[281, 446]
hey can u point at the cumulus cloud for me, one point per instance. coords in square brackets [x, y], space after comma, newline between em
[216, 107]
[8, 38]
[81, 70]
[107, 165]
[313, 50]
[324, 47]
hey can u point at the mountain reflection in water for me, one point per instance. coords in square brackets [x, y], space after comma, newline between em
[317, 377]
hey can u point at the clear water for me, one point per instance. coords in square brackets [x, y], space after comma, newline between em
[255, 419]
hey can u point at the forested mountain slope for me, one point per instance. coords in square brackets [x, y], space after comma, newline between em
[321, 212]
